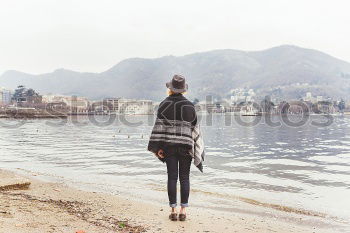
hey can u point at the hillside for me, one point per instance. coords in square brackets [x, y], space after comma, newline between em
[284, 71]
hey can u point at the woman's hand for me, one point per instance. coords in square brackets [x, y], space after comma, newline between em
[161, 154]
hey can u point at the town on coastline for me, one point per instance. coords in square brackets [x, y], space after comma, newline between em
[27, 103]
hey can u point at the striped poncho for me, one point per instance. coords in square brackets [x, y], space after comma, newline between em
[184, 133]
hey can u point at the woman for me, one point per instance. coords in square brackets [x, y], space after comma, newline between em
[176, 140]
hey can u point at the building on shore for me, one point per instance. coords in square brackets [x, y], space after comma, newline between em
[111, 105]
[309, 98]
[5, 96]
[319, 98]
[135, 107]
[72, 104]
[78, 105]
[242, 95]
[324, 107]
[308, 107]
[123, 106]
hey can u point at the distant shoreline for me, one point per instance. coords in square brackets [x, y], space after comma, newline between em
[30, 116]
[52, 116]
[39, 114]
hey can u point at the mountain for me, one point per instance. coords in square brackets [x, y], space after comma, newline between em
[285, 71]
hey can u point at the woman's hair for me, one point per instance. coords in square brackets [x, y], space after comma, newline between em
[170, 92]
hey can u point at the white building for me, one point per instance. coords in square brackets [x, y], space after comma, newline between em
[242, 95]
[112, 104]
[309, 98]
[5, 96]
[77, 104]
[135, 107]
[128, 106]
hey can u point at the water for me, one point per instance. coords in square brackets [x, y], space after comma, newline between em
[305, 168]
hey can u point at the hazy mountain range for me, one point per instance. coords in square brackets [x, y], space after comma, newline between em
[285, 71]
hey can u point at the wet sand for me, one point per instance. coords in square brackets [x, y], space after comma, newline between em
[53, 207]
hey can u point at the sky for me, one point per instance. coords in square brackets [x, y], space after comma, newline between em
[39, 36]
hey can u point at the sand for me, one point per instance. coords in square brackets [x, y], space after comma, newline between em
[51, 207]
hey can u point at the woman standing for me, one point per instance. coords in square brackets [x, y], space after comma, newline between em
[176, 140]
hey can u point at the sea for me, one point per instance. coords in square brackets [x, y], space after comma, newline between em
[298, 165]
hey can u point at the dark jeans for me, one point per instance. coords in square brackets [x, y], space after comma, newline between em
[178, 165]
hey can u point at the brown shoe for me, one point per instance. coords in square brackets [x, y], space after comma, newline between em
[182, 217]
[173, 216]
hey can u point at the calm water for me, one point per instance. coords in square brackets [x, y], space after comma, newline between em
[306, 167]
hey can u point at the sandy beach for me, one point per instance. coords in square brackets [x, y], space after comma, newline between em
[37, 206]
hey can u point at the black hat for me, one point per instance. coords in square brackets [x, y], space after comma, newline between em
[177, 84]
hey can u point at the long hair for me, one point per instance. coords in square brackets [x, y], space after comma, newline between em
[170, 92]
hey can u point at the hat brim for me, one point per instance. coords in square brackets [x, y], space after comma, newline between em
[175, 90]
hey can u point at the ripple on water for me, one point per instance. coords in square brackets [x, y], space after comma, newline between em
[331, 159]
[287, 162]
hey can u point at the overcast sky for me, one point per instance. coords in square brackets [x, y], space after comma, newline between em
[38, 36]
